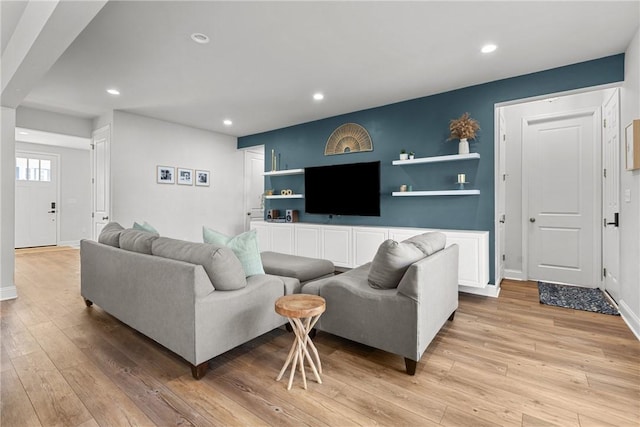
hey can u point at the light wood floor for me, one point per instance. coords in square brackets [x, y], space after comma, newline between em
[505, 361]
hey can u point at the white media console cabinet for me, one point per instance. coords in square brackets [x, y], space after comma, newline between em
[352, 246]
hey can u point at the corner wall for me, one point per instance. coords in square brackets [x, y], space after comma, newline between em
[7, 203]
[139, 144]
[630, 181]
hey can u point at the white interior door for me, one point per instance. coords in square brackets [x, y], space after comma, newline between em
[36, 200]
[611, 195]
[100, 179]
[253, 184]
[559, 158]
[502, 193]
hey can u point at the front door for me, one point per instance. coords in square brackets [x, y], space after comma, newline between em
[100, 179]
[611, 196]
[36, 200]
[560, 165]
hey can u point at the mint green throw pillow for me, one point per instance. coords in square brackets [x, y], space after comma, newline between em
[145, 227]
[244, 245]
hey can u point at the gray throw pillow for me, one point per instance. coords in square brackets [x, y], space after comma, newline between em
[429, 243]
[391, 262]
[110, 234]
[219, 262]
[137, 241]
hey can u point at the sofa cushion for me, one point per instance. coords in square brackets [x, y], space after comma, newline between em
[137, 241]
[390, 263]
[110, 234]
[244, 245]
[219, 262]
[145, 227]
[429, 243]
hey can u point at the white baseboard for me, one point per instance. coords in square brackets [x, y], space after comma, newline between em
[514, 275]
[8, 292]
[630, 318]
[72, 243]
[487, 291]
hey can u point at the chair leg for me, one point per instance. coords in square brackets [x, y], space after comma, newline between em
[452, 315]
[198, 371]
[410, 365]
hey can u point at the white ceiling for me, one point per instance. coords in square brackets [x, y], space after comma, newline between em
[266, 59]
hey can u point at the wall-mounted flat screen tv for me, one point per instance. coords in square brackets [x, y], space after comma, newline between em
[349, 189]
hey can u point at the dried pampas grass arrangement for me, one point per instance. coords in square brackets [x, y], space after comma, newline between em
[463, 127]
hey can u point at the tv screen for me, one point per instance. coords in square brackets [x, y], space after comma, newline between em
[350, 189]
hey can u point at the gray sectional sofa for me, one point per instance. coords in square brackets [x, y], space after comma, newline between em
[398, 302]
[192, 298]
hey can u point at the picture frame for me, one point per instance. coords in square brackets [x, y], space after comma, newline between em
[185, 176]
[202, 178]
[166, 175]
[632, 145]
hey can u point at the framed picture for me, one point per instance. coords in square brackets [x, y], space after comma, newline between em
[185, 176]
[166, 175]
[202, 178]
[632, 145]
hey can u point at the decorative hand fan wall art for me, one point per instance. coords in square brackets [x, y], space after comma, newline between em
[348, 138]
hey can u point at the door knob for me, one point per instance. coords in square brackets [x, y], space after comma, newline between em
[51, 211]
[532, 220]
[104, 218]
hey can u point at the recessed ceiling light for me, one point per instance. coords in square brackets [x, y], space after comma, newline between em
[488, 48]
[318, 96]
[200, 38]
[228, 122]
[113, 91]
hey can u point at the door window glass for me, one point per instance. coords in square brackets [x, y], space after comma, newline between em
[45, 170]
[21, 168]
[33, 169]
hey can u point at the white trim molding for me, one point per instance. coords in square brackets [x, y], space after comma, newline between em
[630, 318]
[72, 243]
[8, 292]
[488, 291]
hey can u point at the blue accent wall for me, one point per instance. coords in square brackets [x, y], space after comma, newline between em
[422, 125]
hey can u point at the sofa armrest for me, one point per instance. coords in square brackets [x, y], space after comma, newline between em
[437, 271]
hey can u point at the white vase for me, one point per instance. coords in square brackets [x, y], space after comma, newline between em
[463, 146]
[404, 156]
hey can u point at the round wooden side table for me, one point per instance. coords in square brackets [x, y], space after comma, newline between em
[302, 311]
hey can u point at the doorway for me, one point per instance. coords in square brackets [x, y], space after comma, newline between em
[36, 199]
[553, 188]
[253, 185]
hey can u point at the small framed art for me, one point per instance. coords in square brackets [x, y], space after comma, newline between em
[166, 175]
[185, 176]
[202, 178]
[632, 145]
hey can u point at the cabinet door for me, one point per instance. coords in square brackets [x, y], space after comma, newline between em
[400, 234]
[473, 266]
[264, 234]
[307, 240]
[336, 245]
[366, 242]
[282, 238]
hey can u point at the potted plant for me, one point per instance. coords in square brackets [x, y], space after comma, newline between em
[403, 154]
[411, 155]
[463, 129]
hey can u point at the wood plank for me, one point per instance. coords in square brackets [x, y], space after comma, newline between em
[54, 401]
[106, 402]
[15, 407]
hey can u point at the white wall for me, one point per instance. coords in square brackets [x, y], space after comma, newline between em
[514, 215]
[74, 170]
[630, 180]
[47, 121]
[139, 144]
[7, 203]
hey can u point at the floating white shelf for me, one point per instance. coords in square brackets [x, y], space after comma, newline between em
[291, 196]
[436, 193]
[450, 158]
[284, 172]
